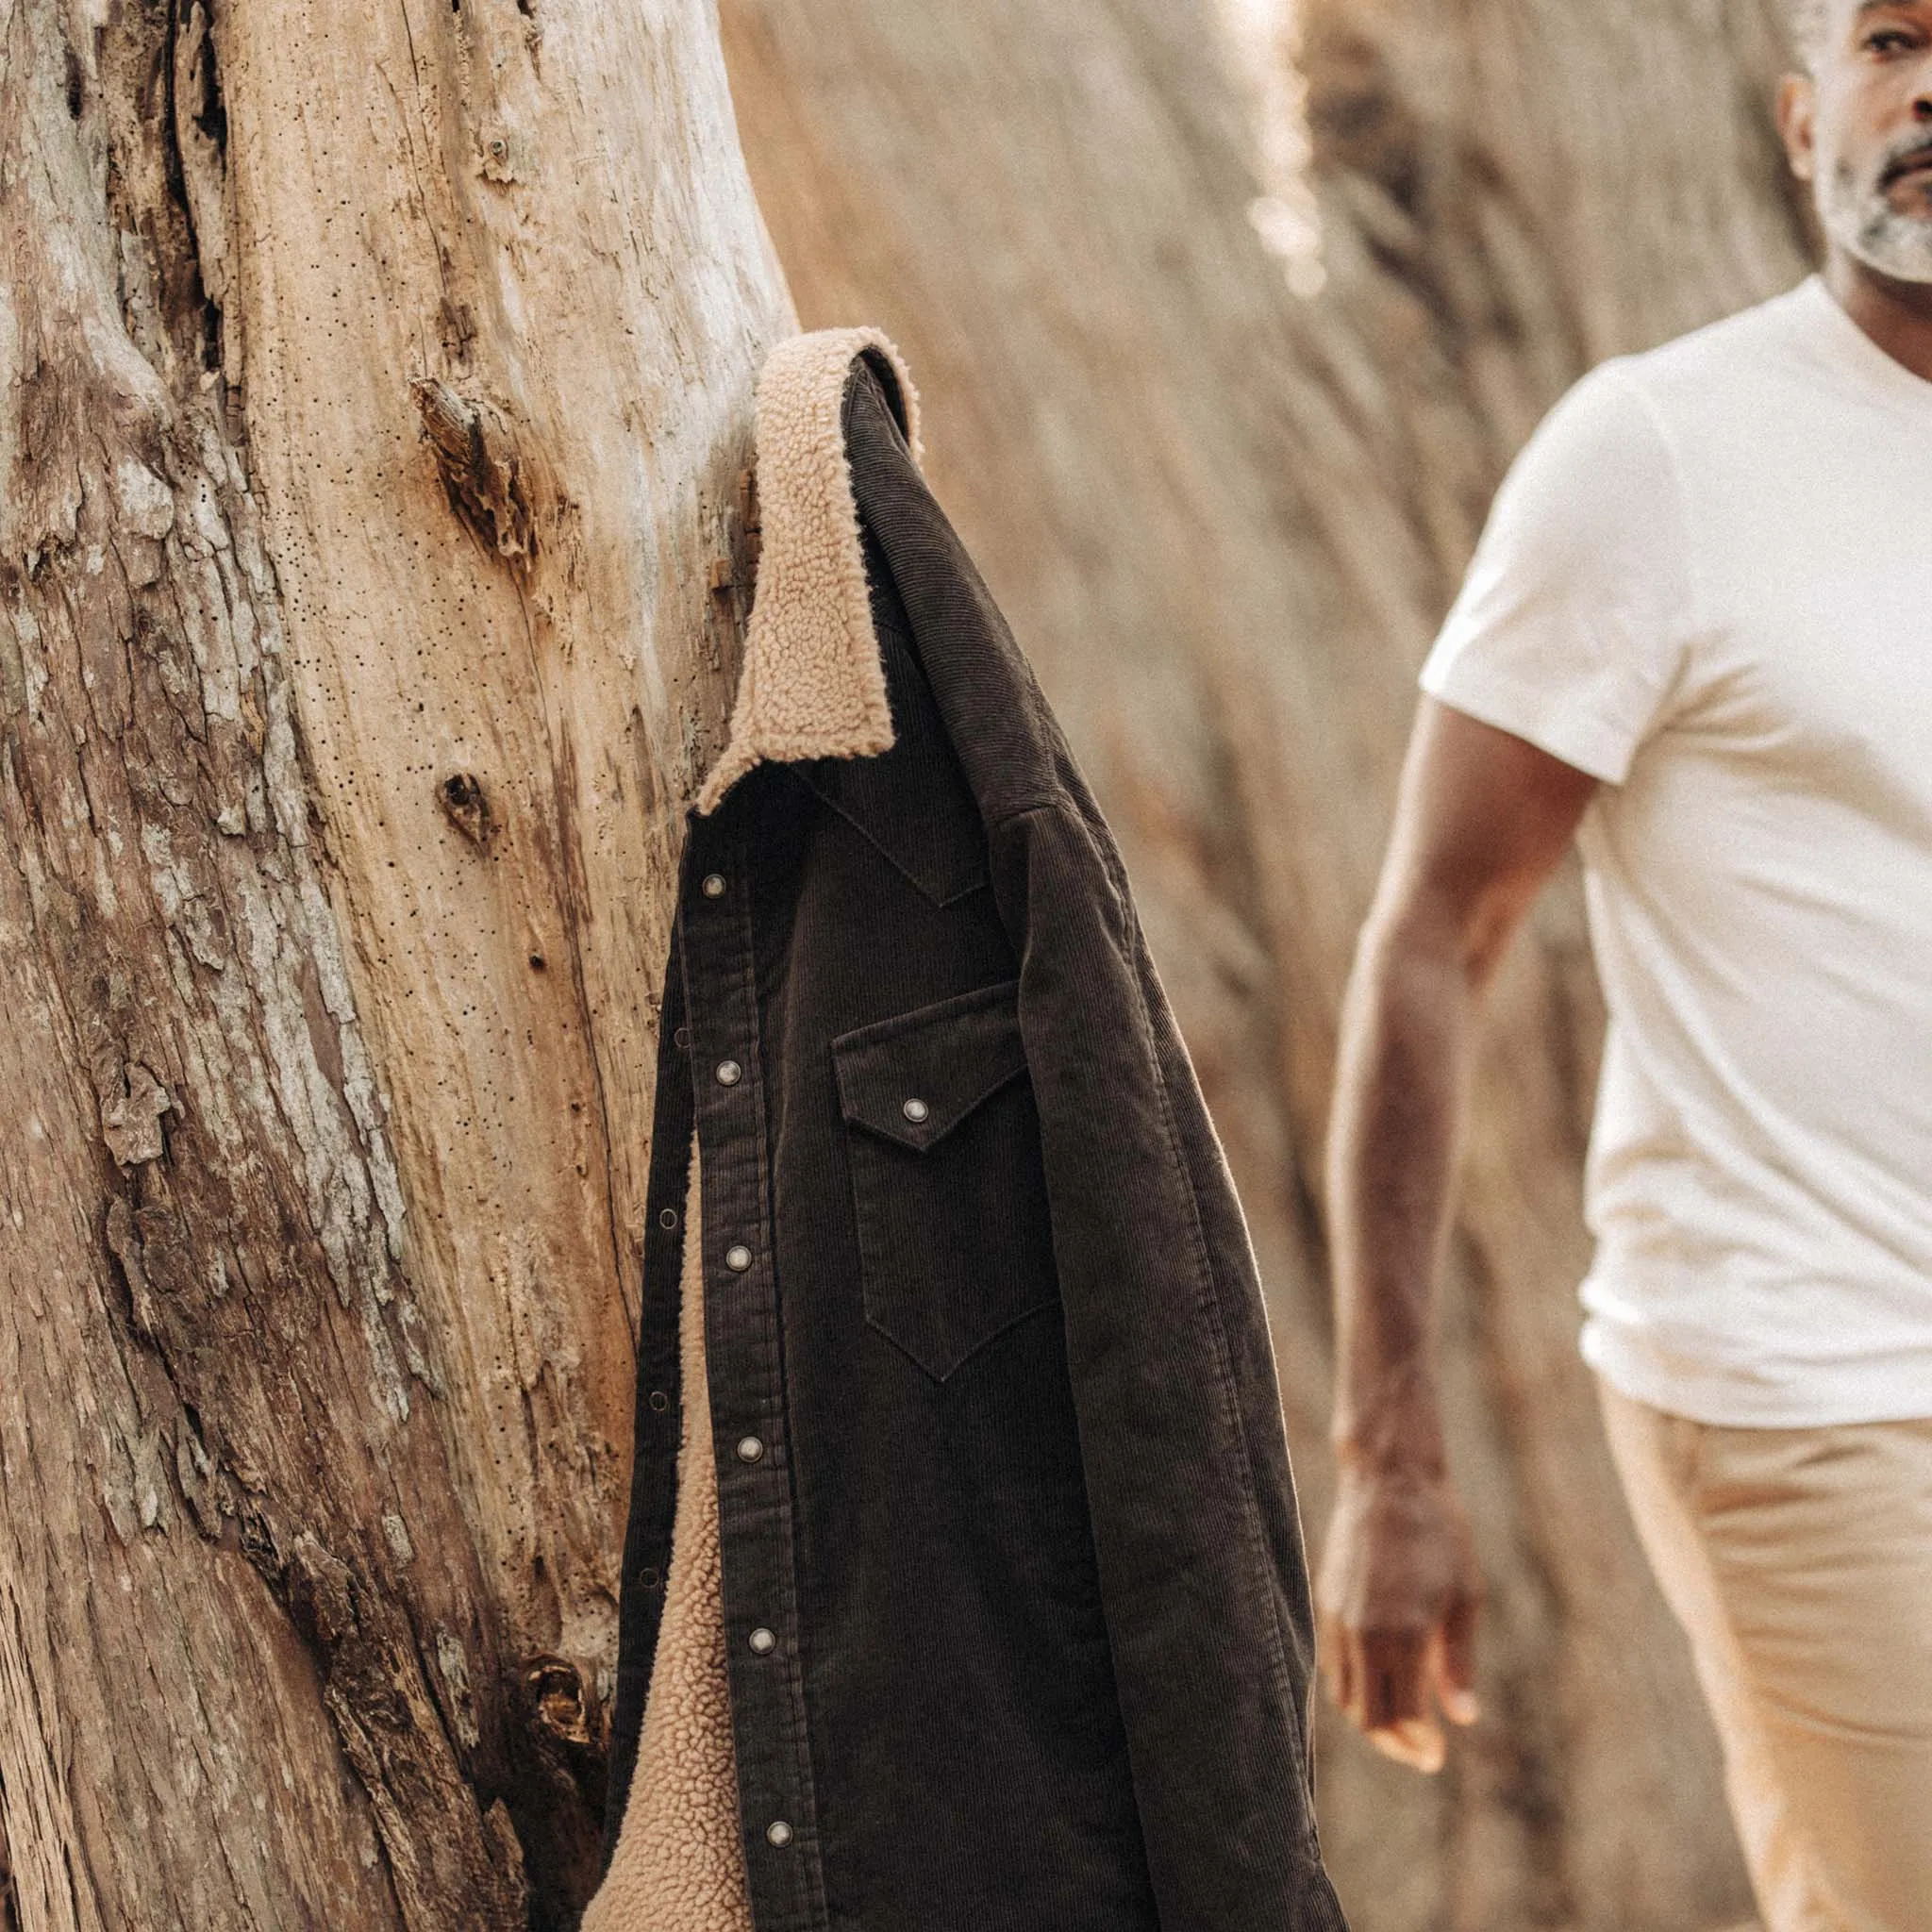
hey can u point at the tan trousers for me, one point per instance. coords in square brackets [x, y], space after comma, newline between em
[1799, 1562]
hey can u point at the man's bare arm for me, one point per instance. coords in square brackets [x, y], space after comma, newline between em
[1482, 821]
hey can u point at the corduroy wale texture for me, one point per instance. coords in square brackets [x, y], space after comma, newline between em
[1012, 1600]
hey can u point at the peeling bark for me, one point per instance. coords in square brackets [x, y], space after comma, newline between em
[373, 396]
[1225, 518]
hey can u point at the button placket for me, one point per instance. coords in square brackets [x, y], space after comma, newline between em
[742, 1348]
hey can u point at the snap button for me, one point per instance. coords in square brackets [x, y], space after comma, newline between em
[659, 1401]
[729, 1073]
[915, 1110]
[713, 887]
[738, 1257]
[682, 1036]
[667, 1217]
[749, 1448]
[649, 1578]
[762, 1641]
[778, 1832]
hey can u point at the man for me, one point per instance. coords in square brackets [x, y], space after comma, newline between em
[1698, 635]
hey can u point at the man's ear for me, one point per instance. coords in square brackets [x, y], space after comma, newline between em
[1797, 121]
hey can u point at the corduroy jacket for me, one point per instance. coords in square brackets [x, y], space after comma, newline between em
[967, 1594]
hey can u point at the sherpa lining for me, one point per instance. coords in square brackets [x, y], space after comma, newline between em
[678, 1865]
[813, 684]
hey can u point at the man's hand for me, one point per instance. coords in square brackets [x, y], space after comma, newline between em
[1397, 1605]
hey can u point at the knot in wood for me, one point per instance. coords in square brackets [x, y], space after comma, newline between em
[461, 795]
[476, 457]
[557, 1699]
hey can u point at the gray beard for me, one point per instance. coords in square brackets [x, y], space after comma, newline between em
[1864, 222]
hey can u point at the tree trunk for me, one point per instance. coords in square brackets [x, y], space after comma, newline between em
[1226, 491]
[374, 389]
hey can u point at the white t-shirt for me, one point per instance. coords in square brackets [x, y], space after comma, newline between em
[1707, 581]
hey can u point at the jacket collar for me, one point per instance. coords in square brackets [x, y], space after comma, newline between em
[813, 684]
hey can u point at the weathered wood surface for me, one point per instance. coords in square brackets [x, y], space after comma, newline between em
[1226, 519]
[374, 388]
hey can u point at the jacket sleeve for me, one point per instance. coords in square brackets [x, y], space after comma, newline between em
[1203, 1580]
[1202, 1572]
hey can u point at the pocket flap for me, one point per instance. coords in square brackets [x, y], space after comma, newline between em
[914, 1077]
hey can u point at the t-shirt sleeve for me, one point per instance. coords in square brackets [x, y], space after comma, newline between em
[1571, 627]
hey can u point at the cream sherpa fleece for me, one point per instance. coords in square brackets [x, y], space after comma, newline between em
[812, 685]
[679, 1862]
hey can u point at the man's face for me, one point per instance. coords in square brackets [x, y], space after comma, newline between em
[1858, 127]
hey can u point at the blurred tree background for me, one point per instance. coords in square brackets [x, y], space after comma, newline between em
[1229, 319]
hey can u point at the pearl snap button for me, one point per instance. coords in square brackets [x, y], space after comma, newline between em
[713, 887]
[915, 1110]
[749, 1449]
[778, 1832]
[762, 1641]
[738, 1258]
[729, 1073]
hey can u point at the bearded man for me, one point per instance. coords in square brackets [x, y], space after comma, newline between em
[1697, 636]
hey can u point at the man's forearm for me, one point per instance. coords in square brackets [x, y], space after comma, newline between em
[1406, 1023]
[1481, 820]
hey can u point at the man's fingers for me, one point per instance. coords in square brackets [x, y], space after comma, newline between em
[1333, 1640]
[1417, 1742]
[1391, 1684]
[1348, 1675]
[1456, 1661]
[1329, 1648]
[1393, 1689]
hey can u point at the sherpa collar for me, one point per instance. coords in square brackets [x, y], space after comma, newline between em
[813, 684]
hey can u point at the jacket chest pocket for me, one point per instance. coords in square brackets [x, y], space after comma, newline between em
[953, 1236]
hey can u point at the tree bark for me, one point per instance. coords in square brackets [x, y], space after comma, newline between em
[1226, 508]
[374, 391]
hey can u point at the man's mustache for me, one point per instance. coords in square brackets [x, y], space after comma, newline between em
[1911, 151]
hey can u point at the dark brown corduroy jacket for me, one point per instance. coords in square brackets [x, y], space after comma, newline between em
[1009, 1615]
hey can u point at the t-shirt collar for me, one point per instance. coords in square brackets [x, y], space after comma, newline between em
[1859, 351]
